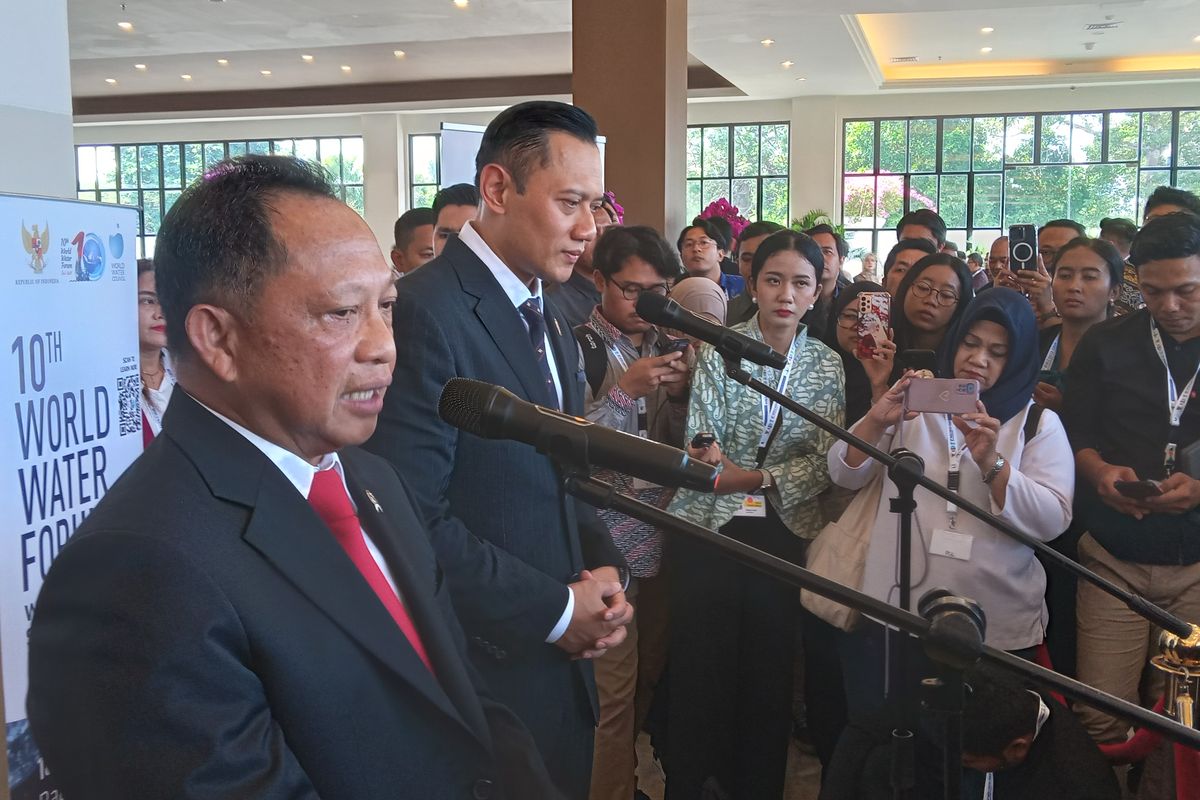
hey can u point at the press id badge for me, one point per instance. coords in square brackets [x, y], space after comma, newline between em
[753, 505]
[951, 544]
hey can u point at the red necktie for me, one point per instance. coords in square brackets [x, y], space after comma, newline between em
[331, 502]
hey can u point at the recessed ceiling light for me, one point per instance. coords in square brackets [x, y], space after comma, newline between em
[986, 30]
[462, 3]
[224, 62]
[787, 64]
[306, 58]
[125, 26]
[140, 67]
[264, 72]
[345, 67]
[985, 50]
[186, 77]
[399, 53]
[110, 81]
[1196, 39]
[802, 78]
[767, 42]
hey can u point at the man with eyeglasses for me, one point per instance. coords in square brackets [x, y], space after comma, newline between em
[636, 383]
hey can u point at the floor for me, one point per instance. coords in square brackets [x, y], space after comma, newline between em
[804, 773]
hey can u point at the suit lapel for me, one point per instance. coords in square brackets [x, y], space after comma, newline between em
[566, 355]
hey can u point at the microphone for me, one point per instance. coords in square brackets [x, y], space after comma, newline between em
[495, 413]
[661, 311]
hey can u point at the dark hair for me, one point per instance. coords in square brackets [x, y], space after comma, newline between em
[787, 239]
[409, 221]
[906, 244]
[1121, 228]
[1170, 196]
[843, 249]
[1106, 251]
[217, 243]
[460, 194]
[998, 709]
[1175, 235]
[620, 243]
[145, 265]
[518, 138]
[953, 246]
[755, 229]
[710, 230]
[900, 322]
[721, 224]
[975, 258]
[926, 218]
[1064, 223]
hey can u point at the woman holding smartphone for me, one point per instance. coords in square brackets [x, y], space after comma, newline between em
[732, 628]
[1022, 471]
[930, 299]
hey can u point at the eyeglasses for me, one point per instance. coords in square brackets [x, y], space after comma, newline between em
[944, 297]
[630, 291]
[698, 244]
[848, 321]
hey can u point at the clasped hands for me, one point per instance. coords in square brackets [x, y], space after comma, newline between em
[600, 615]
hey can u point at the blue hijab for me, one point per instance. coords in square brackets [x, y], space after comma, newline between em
[1011, 309]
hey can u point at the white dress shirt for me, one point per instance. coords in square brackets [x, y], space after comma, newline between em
[518, 293]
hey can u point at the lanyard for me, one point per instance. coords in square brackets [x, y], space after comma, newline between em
[953, 466]
[1051, 354]
[643, 421]
[989, 786]
[1176, 401]
[770, 409]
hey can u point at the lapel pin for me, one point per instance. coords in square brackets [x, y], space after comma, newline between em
[374, 502]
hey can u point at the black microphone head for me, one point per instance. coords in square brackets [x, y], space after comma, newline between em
[655, 308]
[463, 401]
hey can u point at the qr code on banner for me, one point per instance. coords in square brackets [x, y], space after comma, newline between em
[128, 390]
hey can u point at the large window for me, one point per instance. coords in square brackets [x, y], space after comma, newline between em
[985, 173]
[152, 176]
[424, 168]
[747, 164]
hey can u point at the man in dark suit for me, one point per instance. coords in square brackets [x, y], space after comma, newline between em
[254, 609]
[535, 578]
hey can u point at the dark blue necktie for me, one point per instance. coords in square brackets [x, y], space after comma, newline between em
[531, 310]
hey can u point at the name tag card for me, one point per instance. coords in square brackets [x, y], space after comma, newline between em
[753, 505]
[951, 544]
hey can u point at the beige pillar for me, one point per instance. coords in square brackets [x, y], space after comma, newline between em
[630, 73]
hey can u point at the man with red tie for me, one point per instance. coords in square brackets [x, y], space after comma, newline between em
[254, 610]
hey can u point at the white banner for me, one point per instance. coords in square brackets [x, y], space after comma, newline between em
[68, 319]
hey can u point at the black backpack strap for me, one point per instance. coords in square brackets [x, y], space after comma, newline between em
[1032, 421]
[595, 358]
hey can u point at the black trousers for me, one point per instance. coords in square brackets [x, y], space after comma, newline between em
[730, 670]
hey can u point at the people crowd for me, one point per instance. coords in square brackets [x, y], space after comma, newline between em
[544, 637]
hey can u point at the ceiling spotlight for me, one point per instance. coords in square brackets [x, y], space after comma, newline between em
[1196, 39]
[399, 53]
[787, 64]
[140, 67]
[224, 62]
[345, 67]
[462, 3]
[767, 42]
[985, 50]
[306, 58]
[110, 81]
[186, 77]
[802, 78]
[125, 26]
[986, 30]
[264, 72]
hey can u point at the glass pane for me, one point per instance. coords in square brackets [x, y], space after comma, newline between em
[1123, 134]
[1086, 137]
[147, 246]
[1148, 181]
[331, 158]
[423, 196]
[86, 168]
[694, 207]
[214, 152]
[922, 192]
[307, 148]
[885, 240]
[889, 200]
[745, 197]
[1056, 138]
[716, 152]
[1189, 139]
[237, 149]
[1018, 140]
[83, 194]
[283, 147]
[893, 145]
[858, 202]
[988, 147]
[715, 190]
[1156, 139]
[745, 150]
[1189, 179]
[775, 194]
[956, 145]
[172, 173]
[922, 145]
[129, 197]
[958, 237]
[169, 198]
[775, 153]
[424, 153]
[1085, 193]
[1102, 190]
[859, 243]
[860, 147]
[193, 161]
[106, 167]
[108, 197]
[1033, 195]
[694, 144]
[151, 211]
[952, 201]
[354, 198]
[987, 201]
[261, 148]
[148, 165]
[129, 168]
[352, 159]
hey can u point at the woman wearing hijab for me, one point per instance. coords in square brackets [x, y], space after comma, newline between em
[929, 301]
[1023, 473]
[865, 378]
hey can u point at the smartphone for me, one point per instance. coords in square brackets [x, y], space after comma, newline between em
[1054, 377]
[702, 440]
[943, 395]
[678, 346]
[919, 360]
[1022, 247]
[874, 319]
[1138, 490]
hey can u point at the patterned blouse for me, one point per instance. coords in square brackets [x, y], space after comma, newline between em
[798, 454]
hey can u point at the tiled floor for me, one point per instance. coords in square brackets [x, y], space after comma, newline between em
[804, 773]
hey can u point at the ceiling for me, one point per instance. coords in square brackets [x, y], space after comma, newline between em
[834, 48]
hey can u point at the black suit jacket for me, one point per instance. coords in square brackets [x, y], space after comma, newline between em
[203, 635]
[506, 533]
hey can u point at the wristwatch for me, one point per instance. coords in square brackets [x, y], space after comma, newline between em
[768, 480]
[623, 576]
[995, 470]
